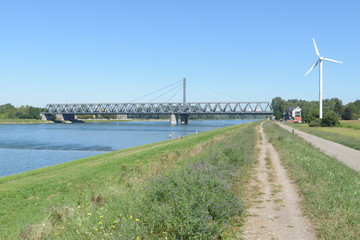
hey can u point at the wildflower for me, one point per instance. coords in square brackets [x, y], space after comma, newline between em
[113, 226]
[63, 227]
[165, 237]
[100, 223]
[115, 221]
[164, 232]
[89, 214]
[138, 220]
[138, 238]
[130, 217]
[57, 233]
[111, 234]
[96, 229]
[101, 216]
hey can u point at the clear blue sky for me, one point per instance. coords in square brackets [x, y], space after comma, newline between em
[116, 51]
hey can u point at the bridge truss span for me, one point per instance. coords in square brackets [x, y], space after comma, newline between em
[224, 108]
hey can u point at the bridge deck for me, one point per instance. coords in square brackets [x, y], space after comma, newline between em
[161, 108]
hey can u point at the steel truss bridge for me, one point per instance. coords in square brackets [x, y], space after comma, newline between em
[69, 111]
[161, 108]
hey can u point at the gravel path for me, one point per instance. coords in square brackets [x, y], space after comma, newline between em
[274, 211]
[348, 156]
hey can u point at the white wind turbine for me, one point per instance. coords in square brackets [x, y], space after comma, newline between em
[320, 61]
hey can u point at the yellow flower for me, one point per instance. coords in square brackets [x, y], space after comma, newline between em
[115, 221]
[101, 216]
[138, 238]
[165, 237]
[57, 233]
[100, 222]
[111, 234]
[89, 214]
[138, 220]
[130, 217]
[63, 227]
[113, 226]
[96, 229]
[164, 232]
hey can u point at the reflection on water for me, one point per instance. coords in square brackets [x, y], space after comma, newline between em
[27, 147]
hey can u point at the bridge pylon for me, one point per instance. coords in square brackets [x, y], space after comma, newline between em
[173, 119]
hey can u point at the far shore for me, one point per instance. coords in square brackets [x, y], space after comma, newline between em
[23, 121]
[36, 121]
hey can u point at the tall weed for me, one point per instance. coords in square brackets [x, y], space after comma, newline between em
[194, 200]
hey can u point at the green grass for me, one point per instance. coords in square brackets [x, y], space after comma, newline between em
[21, 121]
[355, 124]
[43, 202]
[347, 136]
[330, 190]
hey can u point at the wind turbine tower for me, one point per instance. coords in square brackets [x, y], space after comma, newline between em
[320, 62]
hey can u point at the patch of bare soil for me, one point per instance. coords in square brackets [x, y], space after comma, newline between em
[274, 211]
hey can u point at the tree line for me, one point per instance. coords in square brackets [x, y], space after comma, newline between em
[310, 109]
[8, 111]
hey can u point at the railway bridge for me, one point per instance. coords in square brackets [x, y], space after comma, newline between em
[176, 110]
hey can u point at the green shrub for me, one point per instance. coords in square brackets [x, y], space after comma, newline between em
[194, 200]
[330, 119]
[315, 123]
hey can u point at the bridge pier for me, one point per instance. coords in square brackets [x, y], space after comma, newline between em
[66, 117]
[173, 119]
[184, 119]
[45, 117]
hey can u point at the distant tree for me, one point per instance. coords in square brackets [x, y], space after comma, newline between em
[314, 114]
[23, 112]
[33, 113]
[357, 107]
[278, 105]
[338, 108]
[350, 112]
[330, 119]
[315, 123]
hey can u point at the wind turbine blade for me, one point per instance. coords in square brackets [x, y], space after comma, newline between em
[331, 60]
[312, 68]
[316, 49]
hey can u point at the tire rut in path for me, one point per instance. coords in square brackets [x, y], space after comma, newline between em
[274, 211]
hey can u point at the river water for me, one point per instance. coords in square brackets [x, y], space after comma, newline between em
[31, 146]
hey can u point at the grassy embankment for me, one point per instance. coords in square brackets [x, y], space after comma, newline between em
[171, 189]
[330, 190]
[22, 121]
[355, 124]
[349, 135]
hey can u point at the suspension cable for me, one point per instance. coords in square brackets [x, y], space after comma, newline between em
[174, 95]
[165, 93]
[156, 91]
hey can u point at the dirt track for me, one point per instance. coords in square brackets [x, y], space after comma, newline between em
[348, 156]
[274, 211]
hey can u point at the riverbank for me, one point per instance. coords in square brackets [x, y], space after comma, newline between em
[24, 121]
[36, 121]
[46, 201]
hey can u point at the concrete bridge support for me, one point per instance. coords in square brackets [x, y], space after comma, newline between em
[184, 119]
[66, 117]
[45, 117]
[173, 119]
